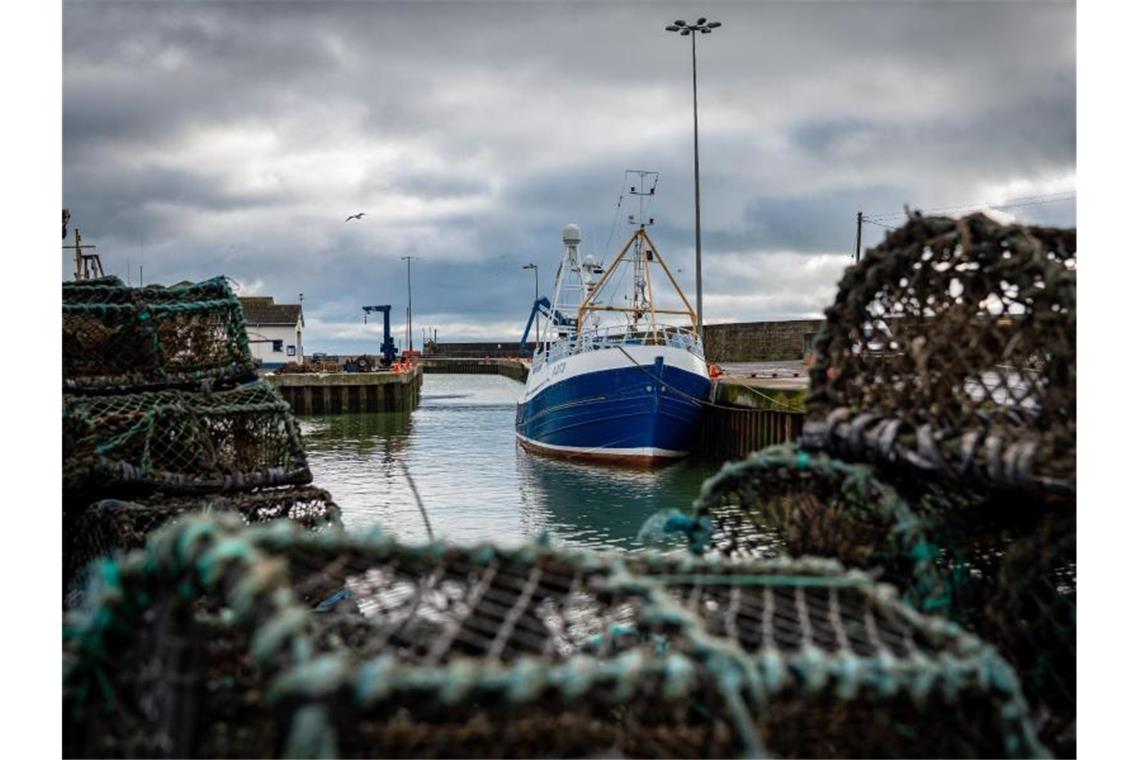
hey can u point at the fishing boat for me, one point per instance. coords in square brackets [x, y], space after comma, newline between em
[610, 380]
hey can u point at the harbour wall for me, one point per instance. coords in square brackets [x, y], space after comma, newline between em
[350, 392]
[747, 415]
[760, 341]
[514, 368]
[729, 342]
[730, 434]
[486, 350]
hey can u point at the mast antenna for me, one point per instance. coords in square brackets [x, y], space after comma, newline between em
[643, 185]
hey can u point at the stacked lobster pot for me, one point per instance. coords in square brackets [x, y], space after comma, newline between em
[939, 452]
[225, 640]
[163, 414]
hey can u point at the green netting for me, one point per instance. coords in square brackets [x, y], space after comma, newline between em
[111, 526]
[951, 348]
[118, 338]
[180, 441]
[227, 641]
[1002, 566]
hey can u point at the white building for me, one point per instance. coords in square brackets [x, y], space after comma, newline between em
[274, 330]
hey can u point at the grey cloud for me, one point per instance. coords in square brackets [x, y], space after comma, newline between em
[233, 137]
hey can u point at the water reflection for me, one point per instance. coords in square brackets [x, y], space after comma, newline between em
[476, 483]
[358, 431]
[599, 506]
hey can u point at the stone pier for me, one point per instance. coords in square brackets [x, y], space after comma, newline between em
[350, 392]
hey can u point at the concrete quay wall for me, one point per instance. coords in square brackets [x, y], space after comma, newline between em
[516, 369]
[508, 349]
[760, 341]
[350, 392]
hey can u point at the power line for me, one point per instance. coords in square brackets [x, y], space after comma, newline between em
[1031, 200]
[1072, 197]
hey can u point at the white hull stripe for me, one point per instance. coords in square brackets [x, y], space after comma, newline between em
[636, 451]
[610, 358]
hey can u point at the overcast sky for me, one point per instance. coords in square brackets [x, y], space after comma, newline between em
[235, 137]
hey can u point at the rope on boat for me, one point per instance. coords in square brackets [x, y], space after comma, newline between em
[694, 399]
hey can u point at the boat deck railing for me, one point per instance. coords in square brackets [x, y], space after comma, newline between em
[620, 335]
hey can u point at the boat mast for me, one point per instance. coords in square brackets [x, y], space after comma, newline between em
[643, 254]
[642, 286]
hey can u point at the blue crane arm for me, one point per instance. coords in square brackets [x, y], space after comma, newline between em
[542, 306]
[534, 312]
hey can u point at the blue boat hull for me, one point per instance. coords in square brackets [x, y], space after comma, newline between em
[635, 413]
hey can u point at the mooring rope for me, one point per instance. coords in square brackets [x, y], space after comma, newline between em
[694, 399]
[416, 494]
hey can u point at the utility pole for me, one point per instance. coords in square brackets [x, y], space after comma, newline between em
[858, 235]
[703, 26]
[409, 330]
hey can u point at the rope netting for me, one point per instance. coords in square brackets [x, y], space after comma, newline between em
[1003, 567]
[225, 640]
[116, 337]
[111, 526]
[181, 441]
[951, 348]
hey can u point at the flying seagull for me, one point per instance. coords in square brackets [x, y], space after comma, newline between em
[355, 216]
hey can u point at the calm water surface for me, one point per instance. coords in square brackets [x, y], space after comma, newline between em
[476, 483]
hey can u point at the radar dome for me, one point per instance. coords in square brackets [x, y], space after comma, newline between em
[571, 233]
[589, 261]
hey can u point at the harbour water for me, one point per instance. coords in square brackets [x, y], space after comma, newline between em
[475, 482]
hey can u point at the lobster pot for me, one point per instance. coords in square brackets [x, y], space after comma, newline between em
[950, 350]
[120, 338]
[221, 639]
[111, 526]
[181, 442]
[1004, 567]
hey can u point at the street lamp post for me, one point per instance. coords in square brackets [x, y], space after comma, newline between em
[703, 26]
[535, 268]
[409, 330]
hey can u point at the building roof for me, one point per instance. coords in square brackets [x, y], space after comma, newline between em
[260, 310]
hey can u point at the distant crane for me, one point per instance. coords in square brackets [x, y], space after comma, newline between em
[356, 216]
[387, 347]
